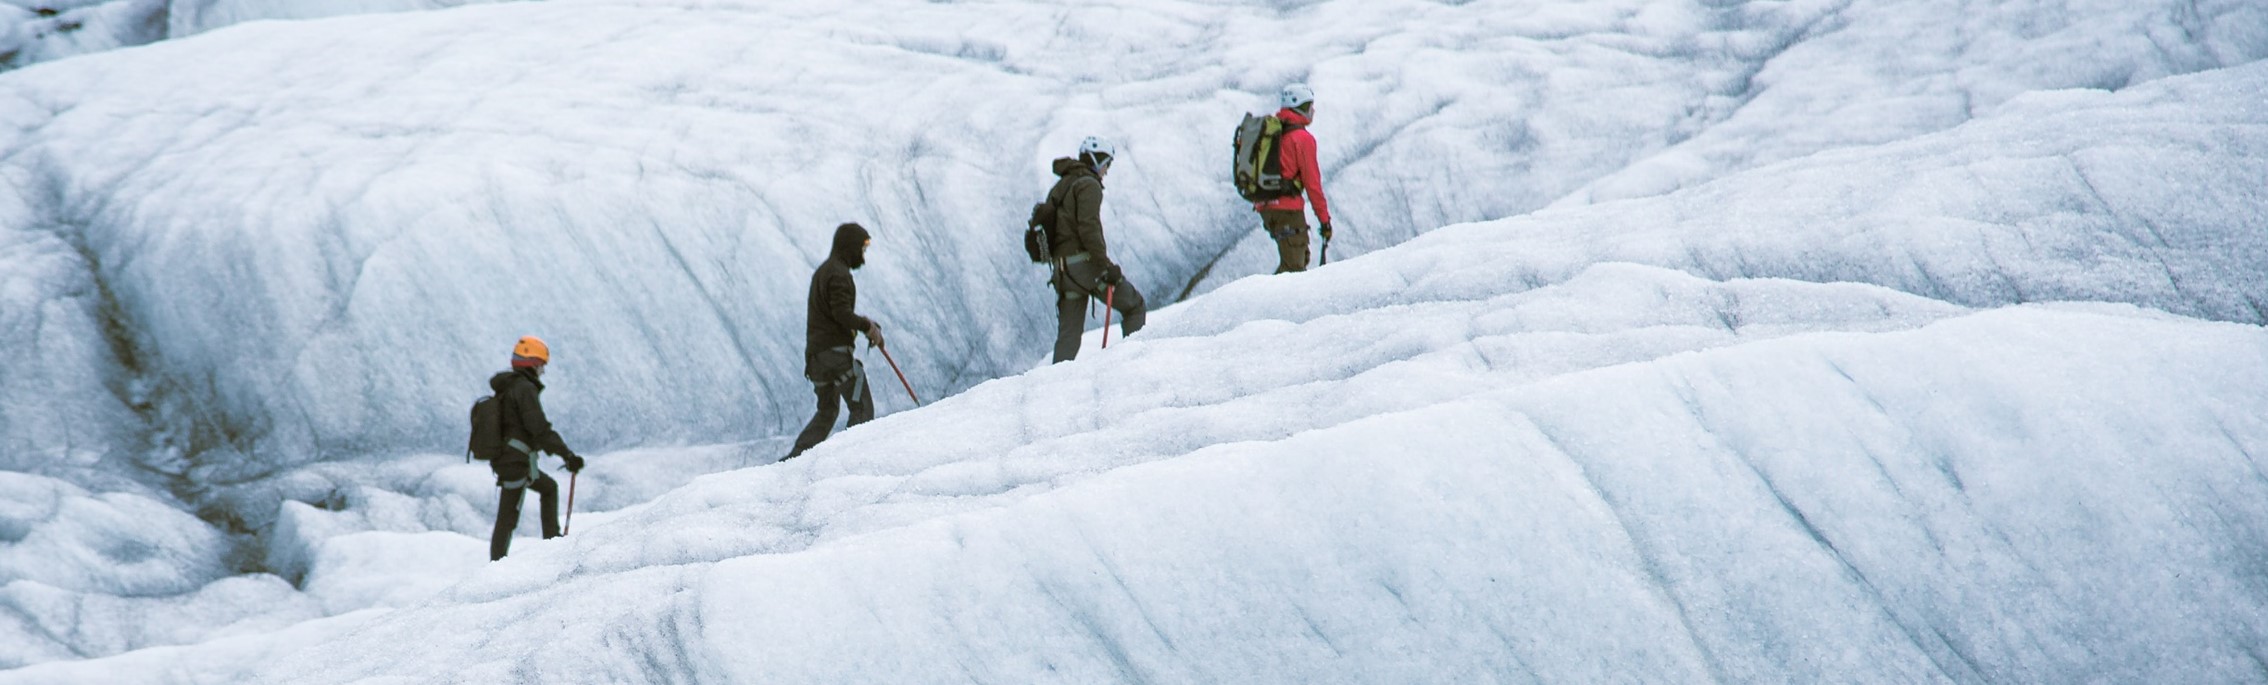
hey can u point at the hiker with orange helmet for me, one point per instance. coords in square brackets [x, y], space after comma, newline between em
[527, 431]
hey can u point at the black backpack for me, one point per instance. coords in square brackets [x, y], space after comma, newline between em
[487, 441]
[1259, 174]
[1036, 232]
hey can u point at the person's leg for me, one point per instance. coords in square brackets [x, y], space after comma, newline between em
[821, 422]
[1132, 311]
[861, 396]
[507, 519]
[1070, 323]
[1289, 229]
[547, 496]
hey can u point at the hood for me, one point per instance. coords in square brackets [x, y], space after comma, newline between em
[503, 379]
[1293, 117]
[1065, 166]
[850, 245]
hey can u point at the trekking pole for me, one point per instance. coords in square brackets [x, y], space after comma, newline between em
[901, 374]
[572, 476]
[1106, 306]
[1326, 251]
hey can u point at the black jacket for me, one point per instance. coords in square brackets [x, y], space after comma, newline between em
[1077, 197]
[834, 319]
[523, 417]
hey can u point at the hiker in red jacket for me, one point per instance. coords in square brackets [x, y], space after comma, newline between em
[1286, 217]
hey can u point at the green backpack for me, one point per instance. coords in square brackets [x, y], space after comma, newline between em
[1259, 162]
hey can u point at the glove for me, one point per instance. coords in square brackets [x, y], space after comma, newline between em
[574, 463]
[1112, 275]
[873, 334]
[1326, 231]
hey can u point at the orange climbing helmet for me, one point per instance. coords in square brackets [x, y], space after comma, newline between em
[530, 352]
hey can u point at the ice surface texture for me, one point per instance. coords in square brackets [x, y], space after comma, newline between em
[243, 270]
[1429, 471]
[1423, 474]
[277, 259]
[34, 31]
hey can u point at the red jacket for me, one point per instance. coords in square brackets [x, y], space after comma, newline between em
[1297, 155]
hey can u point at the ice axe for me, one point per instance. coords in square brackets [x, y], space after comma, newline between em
[1326, 251]
[1106, 307]
[901, 374]
[572, 476]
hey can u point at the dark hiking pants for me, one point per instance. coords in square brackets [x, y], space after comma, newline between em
[1289, 229]
[848, 387]
[515, 489]
[1071, 307]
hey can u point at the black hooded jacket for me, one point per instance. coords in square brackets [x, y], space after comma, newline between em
[834, 319]
[1077, 197]
[523, 417]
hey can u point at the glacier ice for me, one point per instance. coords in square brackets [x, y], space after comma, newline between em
[251, 277]
[35, 31]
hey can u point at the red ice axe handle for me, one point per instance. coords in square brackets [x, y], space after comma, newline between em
[901, 375]
[1106, 306]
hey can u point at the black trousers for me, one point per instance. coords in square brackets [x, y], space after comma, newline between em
[1071, 307]
[508, 511]
[851, 389]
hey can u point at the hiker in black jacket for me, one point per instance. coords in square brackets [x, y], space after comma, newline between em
[836, 376]
[527, 431]
[1083, 268]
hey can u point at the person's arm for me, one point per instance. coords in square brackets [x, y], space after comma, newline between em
[1311, 175]
[537, 426]
[1087, 197]
[842, 300]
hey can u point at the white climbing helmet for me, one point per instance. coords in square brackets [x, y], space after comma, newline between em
[1097, 150]
[1295, 95]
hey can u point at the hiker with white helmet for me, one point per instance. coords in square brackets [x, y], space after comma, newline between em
[1289, 169]
[1081, 258]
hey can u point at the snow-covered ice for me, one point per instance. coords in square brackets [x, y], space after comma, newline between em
[34, 31]
[1876, 341]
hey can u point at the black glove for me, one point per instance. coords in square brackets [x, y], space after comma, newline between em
[873, 334]
[1112, 275]
[1326, 231]
[574, 463]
